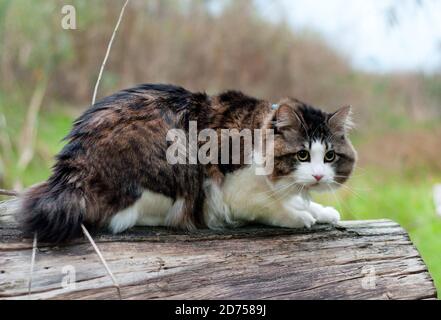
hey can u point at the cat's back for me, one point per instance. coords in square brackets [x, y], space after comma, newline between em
[145, 102]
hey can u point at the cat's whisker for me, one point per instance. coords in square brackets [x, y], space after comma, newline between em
[284, 192]
[358, 189]
[358, 168]
[272, 190]
[276, 190]
[284, 188]
[358, 174]
[302, 189]
[278, 198]
[349, 189]
[334, 196]
[339, 203]
[355, 188]
[284, 195]
[346, 186]
[273, 194]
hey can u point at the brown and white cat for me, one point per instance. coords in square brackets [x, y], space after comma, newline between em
[113, 172]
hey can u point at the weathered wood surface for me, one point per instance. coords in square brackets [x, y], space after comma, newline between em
[354, 260]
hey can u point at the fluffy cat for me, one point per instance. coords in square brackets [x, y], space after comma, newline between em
[113, 172]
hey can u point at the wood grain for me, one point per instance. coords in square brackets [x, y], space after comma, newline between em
[354, 260]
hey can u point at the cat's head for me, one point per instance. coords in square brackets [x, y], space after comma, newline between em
[312, 148]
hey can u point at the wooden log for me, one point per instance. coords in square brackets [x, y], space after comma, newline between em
[354, 260]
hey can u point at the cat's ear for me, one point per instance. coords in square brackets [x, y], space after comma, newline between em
[341, 120]
[286, 117]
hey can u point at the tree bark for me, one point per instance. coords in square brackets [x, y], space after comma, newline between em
[354, 260]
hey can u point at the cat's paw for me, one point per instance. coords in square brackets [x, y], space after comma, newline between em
[292, 217]
[305, 219]
[328, 215]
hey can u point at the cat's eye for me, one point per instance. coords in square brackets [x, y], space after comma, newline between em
[303, 156]
[330, 156]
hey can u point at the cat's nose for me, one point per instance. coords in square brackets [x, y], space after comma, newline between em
[318, 177]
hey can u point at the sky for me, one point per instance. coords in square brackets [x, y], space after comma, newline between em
[375, 35]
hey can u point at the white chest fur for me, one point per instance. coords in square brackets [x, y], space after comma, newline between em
[244, 197]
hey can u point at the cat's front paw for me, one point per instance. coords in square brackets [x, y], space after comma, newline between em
[328, 215]
[305, 219]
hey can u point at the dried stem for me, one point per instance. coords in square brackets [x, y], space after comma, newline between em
[9, 193]
[98, 252]
[29, 130]
[109, 47]
[34, 252]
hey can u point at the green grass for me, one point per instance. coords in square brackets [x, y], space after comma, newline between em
[52, 125]
[375, 194]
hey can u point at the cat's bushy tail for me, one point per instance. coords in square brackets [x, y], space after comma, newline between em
[54, 213]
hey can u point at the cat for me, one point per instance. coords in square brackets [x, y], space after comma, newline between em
[113, 172]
